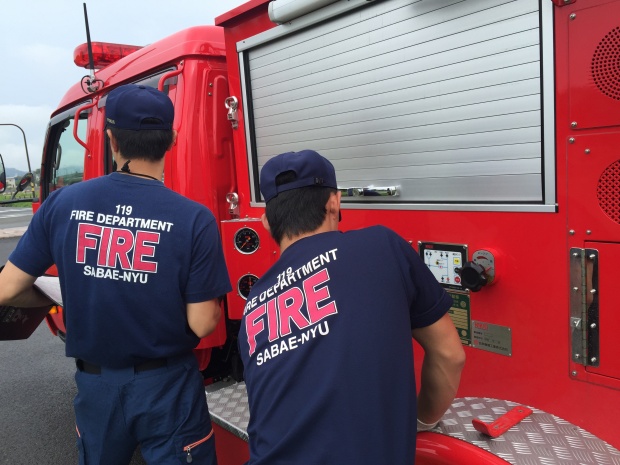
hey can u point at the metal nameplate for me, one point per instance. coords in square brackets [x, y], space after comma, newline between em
[494, 338]
[461, 315]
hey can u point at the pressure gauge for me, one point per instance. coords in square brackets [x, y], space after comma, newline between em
[486, 259]
[245, 283]
[246, 240]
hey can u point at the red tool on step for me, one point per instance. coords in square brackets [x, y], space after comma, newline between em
[503, 423]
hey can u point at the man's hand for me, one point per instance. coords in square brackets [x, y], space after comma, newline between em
[16, 289]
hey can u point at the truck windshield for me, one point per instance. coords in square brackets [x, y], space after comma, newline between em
[64, 156]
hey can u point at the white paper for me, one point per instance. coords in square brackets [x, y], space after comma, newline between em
[50, 286]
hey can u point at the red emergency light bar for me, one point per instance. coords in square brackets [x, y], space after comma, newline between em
[104, 54]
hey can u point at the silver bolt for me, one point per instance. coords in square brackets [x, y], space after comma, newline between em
[572, 16]
[575, 254]
[571, 140]
[577, 356]
[593, 360]
[593, 326]
[571, 232]
[575, 289]
[574, 373]
[587, 151]
[591, 256]
[588, 232]
[592, 291]
[573, 124]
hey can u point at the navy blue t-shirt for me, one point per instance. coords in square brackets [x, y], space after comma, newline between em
[326, 344]
[131, 254]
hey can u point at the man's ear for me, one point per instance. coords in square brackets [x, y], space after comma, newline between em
[333, 204]
[263, 220]
[113, 143]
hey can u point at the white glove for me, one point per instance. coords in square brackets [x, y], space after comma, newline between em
[425, 426]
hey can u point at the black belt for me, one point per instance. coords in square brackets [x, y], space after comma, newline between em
[93, 369]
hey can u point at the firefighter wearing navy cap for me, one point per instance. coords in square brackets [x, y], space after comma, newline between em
[141, 271]
[326, 332]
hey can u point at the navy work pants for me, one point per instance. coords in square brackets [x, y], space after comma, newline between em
[163, 409]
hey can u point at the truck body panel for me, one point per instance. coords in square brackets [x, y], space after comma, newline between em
[295, 80]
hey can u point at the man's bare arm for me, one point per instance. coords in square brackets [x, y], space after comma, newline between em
[16, 289]
[203, 316]
[444, 359]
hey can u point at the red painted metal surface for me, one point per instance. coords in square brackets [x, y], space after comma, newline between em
[242, 264]
[607, 372]
[437, 449]
[236, 13]
[75, 126]
[245, 21]
[196, 41]
[593, 64]
[230, 449]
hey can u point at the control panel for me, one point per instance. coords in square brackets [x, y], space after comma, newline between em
[451, 268]
[444, 261]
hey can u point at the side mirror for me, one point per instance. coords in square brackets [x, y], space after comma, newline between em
[2, 176]
[24, 182]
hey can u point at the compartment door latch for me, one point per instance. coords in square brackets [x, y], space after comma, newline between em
[584, 306]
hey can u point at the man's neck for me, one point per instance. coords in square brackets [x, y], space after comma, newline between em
[330, 223]
[143, 168]
[286, 242]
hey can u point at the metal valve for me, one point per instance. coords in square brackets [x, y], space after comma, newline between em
[232, 104]
[473, 276]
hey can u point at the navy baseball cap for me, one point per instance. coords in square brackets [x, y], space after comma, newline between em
[310, 168]
[138, 107]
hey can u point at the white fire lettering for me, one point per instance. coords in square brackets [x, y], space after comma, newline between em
[285, 310]
[116, 246]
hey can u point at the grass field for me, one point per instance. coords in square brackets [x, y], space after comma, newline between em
[20, 195]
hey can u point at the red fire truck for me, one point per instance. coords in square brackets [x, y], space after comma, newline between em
[485, 132]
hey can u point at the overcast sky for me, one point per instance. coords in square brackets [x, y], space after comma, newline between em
[37, 39]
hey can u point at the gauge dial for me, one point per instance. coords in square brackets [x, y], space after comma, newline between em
[245, 283]
[246, 240]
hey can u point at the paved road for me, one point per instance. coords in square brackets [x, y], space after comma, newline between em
[37, 425]
[8, 212]
[13, 221]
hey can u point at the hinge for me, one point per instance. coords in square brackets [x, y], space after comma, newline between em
[563, 2]
[584, 307]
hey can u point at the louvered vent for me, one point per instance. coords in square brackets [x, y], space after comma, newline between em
[606, 64]
[608, 191]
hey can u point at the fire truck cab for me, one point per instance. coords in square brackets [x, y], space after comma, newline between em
[190, 67]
